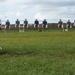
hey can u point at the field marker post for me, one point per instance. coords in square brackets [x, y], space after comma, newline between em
[64, 26]
[3, 26]
[21, 27]
[40, 28]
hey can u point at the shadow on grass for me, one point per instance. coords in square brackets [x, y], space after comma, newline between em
[26, 53]
[19, 53]
[3, 52]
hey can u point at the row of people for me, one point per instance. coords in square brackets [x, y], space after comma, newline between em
[25, 23]
[67, 25]
[36, 23]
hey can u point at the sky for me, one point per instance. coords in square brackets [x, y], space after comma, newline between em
[52, 10]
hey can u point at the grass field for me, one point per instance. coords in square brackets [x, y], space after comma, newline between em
[51, 52]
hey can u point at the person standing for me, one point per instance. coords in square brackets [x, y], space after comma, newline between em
[7, 24]
[26, 23]
[0, 24]
[68, 24]
[60, 23]
[17, 23]
[36, 23]
[44, 23]
[74, 23]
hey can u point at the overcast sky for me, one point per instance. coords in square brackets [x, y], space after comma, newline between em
[52, 10]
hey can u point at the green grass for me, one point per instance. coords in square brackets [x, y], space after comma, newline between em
[51, 52]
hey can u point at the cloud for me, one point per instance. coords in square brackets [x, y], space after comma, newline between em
[49, 2]
[52, 10]
[56, 10]
[3, 0]
[18, 13]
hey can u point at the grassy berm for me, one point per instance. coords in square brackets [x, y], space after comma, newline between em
[50, 52]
